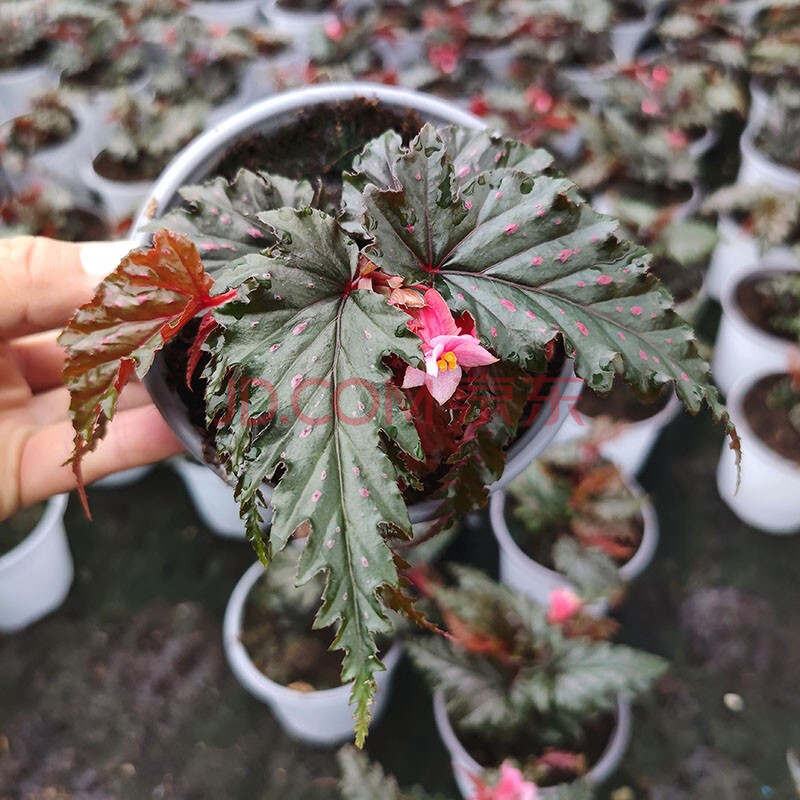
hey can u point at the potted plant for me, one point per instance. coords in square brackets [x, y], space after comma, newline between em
[517, 681]
[48, 138]
[770, 150]
[298, 20]
[24, 72]
[233, 13]
[145, 137]
[279, 653]
[753, 221]
[773, 67]
[203, 64]
[632, 22]
[766, 407]
[398, 271]
[759, 328]
[364, 780]
[683, 101]
[212, 498]
[623, 427]
[35, 564]
[572, 520]
[97, 51]
[48, 209]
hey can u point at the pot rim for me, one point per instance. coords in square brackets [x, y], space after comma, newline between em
[787, 177]
[735, 403]
[53, 513]
[187, 167]
[630, 570]
[246, 670]
[601, 769]
[774, 261]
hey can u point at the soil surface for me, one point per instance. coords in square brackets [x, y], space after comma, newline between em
[759, 308]
[684, 282]
[123, 172]
[15, 530]
[621, 404]
[306, 5]
[659, 196]
[770, 423]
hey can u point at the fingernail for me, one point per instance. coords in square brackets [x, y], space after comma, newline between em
[100, 258]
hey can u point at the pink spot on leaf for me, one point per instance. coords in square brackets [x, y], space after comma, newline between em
[363, 492]
[299, 328]
[296, 381]
[508, 304]
[316, 496]
[583, 329]
[604, 280]
[306, 432]
[636, 310]
[621, 335]
[643, 355]
[493, 331]
[536, 261]
[255, 233]
[512, 228]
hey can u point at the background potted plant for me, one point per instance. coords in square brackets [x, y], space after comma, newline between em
[760, 310]
[35, 564]
[144, 139]
[514, 680]
[573, 521]
[279, 654]
[379, 292]
[234, 13]
[766, 407]
[24, 72]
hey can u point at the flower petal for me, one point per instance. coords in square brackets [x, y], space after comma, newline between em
[444, 385]
[413, 377]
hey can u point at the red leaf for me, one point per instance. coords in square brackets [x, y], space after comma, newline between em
[139, 307]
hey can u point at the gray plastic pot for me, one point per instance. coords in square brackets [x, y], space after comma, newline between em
[194, 163]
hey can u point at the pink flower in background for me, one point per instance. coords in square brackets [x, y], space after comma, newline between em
[511, 786]
[449, 348]
[444, 57]
[650, 107]
[564, 604]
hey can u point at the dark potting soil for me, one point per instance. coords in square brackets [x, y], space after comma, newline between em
[684, 282]
[298, 658]
[79, 225]
[771, 424]
[320, 144]
[97, 77]
[15, 530]
[659, 196]
[621, 404]
[524, 749]
[35, 55]
[628, 10]
[144, 169]
[760, 308]
[306, 5]
[539, 545]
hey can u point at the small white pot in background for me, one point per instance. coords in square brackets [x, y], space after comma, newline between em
[120, 198]
[321, 717]
[36, 575]
[19, 86]
[759, 104]
[234, 13]
[735, 254]
[59, 160]
[212, 498]
[464, 765]
[768, 496]
[742, 348]
[630, 445]
[699, 147]
[520, 572]
[628, 36]
[758, 170]
[236, 102]
[604, 203]
[300, 27]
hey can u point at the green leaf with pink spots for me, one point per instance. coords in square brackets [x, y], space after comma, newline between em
[305, 352]
[531, 262]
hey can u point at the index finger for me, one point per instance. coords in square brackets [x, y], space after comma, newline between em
[43, 281]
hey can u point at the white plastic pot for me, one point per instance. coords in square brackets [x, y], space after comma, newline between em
[464, 765]
[520, 572]
[321, 717]
[234, 13]
[193, 165]
[758, 170]
[59, 160]
[36, 575]
[742, 349]
[119, 198]
[759, 104]
[126, 477]
[699, 147]
[735, 254]
[631, 443]
[768, 496]
[588, 82]
[212, 498]
[604, 203]
[300, 27]
[19, 86]
[233, 104]
[628, 36]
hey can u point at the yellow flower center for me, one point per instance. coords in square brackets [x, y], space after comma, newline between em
[447, 361]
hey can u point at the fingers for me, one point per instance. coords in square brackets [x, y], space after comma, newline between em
[136, 437]
[40, 359]
[43, 281]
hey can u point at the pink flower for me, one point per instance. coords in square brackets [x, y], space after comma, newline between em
[448, 347]
[511, 786]
[444, 57]
[564, 604]
[334, 30]
[650, 107]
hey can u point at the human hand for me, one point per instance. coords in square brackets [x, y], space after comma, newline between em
[42, 282]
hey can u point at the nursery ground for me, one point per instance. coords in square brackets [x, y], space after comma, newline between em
[124, 693]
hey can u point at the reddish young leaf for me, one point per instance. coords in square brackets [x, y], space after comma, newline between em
[139, 307]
